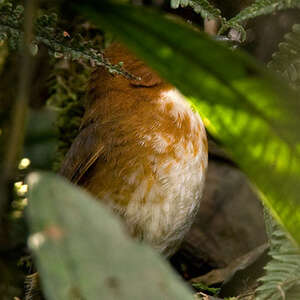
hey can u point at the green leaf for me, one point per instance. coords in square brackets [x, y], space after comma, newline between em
[83, 252]
[204, 288]
[255, 117]
[282, 277]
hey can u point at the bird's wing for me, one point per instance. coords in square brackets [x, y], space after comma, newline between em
[147, 77]
[85, 150]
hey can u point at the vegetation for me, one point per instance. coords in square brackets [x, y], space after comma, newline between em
[250, 110]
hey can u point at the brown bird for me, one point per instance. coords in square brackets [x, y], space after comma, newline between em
[141, 150]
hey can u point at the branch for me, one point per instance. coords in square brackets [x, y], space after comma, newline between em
[19, 113]
[59, 43]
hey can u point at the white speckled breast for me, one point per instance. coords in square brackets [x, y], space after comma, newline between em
[167, 175]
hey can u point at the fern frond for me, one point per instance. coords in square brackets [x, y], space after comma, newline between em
[32, 286]
[282, 279]
[208, 11]
[286, 61]
[202, 7]
[48, 33]
[258, 8]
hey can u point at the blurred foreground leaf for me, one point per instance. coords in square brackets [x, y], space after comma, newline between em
[252, 114]
[282, 276]
[82, 251]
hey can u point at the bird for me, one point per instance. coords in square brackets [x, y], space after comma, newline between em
[141, 150]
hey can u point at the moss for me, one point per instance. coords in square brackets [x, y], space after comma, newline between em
[67, 90]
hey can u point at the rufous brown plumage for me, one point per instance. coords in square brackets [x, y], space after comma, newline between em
[142, 151]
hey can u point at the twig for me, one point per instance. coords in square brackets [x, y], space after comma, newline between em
[19, 112]
[246, 295]
[211, 26]
[281, 292]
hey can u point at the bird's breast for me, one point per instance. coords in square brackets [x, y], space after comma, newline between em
[153, 166]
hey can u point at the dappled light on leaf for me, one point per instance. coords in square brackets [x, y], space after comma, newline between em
[253, 114]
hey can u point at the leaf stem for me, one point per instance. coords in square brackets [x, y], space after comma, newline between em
[19, 112]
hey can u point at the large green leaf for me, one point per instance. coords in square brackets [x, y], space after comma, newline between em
[82, 251]
[255, 117]
[282, 276]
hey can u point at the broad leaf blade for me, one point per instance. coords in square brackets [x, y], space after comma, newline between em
[82, 251]
[254, 116]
